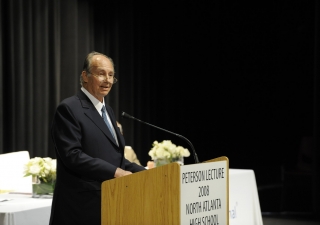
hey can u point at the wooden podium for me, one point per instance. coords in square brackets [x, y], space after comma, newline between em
[169, 194]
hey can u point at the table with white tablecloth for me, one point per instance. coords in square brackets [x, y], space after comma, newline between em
[244, 204]
[22, 209]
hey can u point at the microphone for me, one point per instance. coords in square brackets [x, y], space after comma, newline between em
[194, 151]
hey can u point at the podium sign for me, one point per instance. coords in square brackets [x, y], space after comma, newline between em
[204, 193]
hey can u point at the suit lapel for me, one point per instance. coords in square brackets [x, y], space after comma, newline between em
[91, 112]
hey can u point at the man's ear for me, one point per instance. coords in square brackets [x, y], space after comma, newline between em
[84, 76]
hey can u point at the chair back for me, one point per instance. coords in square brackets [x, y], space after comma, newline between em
[12, 172]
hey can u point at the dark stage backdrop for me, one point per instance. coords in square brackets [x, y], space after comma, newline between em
[237, 79]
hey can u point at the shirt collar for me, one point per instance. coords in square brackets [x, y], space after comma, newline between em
[97, 104]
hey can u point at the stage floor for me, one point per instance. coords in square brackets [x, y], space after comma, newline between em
[288, 220]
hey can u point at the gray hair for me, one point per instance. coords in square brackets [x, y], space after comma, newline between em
[87, 63]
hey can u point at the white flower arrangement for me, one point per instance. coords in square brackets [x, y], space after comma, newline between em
[43, 168]
[167, 150]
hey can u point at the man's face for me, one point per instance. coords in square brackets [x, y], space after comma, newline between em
[98, 86]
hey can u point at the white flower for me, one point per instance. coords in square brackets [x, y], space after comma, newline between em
[44, 168]
[166, 149]
[183, 151]
[34, 169]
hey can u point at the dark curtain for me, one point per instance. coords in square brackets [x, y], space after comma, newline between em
[316, 126]
[43, 44]
[235, 78]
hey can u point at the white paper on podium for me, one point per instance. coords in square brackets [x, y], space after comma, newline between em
[204, 193]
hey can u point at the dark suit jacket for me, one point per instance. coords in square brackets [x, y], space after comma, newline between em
[87, 155]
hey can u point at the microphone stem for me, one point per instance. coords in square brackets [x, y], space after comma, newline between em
[194, 151]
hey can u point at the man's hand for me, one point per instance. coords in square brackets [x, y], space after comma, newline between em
[120, 173]
[150, 164]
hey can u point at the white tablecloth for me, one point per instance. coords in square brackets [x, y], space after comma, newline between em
[22, 209]
[244, 205]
